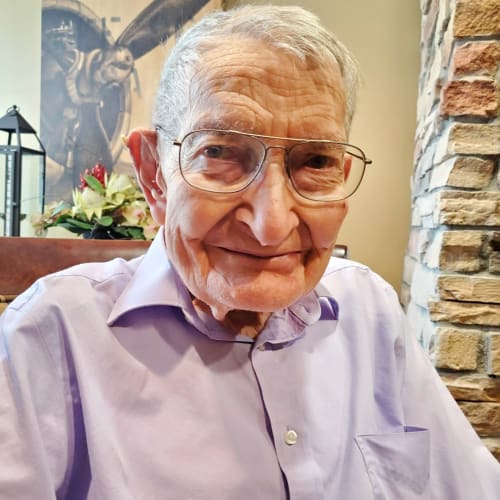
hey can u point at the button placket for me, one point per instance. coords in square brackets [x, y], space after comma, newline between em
[276, 374]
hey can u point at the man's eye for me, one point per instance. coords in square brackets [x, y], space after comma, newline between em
[319, 161]
[214, 152]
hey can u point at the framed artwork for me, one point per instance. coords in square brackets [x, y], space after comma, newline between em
[101, 64]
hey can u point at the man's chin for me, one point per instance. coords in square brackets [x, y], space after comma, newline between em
[261, 301]
[262, 292]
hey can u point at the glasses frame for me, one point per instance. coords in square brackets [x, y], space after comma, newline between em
[358, 153]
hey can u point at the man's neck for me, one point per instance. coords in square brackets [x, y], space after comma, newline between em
[248, 323]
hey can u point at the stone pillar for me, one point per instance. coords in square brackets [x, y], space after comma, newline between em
[451, 282]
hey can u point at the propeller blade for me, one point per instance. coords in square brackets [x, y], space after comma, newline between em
[156, 22]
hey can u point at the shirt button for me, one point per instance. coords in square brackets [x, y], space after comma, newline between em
[291, 437]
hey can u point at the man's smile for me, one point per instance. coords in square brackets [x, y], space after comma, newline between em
[260, 254]
[278, 261]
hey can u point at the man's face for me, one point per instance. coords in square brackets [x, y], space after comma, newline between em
[263, 248]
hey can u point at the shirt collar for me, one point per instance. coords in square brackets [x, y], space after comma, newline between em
[156, 283]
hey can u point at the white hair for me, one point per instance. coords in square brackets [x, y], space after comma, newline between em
[291, 29]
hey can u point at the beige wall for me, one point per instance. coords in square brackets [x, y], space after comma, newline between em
[20, 46]
[384, 35]
[20, 40]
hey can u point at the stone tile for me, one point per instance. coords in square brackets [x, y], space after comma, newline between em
[469, 288]
[474, 138]
[469, 208]
[484, 417]
[465, 313]
[461, 250]
[476, 58]
[471, 172]
[478, 98]
[476, 18]
[472, 387]
[455, 349]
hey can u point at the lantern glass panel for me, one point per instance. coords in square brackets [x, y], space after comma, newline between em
[3, 160]
[31, 192]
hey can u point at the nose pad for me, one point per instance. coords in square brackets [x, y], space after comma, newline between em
[279, 148]
[270, 159]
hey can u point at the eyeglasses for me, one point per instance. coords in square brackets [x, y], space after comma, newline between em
[227, 161]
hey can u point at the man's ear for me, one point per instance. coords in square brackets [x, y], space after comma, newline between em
[347, 166]
[142, 146]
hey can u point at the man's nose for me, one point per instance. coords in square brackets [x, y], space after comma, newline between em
[269, 208]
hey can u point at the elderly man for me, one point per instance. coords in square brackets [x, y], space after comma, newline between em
[236, 359]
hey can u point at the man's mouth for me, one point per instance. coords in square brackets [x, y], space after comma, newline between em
[281, 262]
[261, 255]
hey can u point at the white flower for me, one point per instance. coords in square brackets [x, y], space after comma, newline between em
[119, 184]
[89, 202]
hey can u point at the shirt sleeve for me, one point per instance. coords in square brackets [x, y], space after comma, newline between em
[461, 467]
[36, 407]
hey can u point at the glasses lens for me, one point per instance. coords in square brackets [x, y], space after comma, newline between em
[325, 171]
[220, 161]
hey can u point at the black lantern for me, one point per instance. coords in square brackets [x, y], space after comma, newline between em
[15, 156]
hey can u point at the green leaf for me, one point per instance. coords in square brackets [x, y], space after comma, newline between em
[121, 230]
[105, 220]
[131, 232]
[78, 223]
[136, 233]
[94, 184]
[62, 218]
[72, 228]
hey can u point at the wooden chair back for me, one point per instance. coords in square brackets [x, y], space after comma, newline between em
[24, 260]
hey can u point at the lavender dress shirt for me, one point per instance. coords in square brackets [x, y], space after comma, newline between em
[114, 387]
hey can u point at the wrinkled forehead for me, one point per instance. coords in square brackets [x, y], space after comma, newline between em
[251, 87]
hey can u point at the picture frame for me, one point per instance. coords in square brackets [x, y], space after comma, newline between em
[101, 64]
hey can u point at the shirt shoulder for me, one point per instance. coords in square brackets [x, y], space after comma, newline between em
[346, 279]
[90, 283]
[369, 310]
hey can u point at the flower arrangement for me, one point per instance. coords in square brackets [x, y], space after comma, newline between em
[104, 206]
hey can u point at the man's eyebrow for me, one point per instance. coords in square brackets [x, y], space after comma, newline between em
[225, 123]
